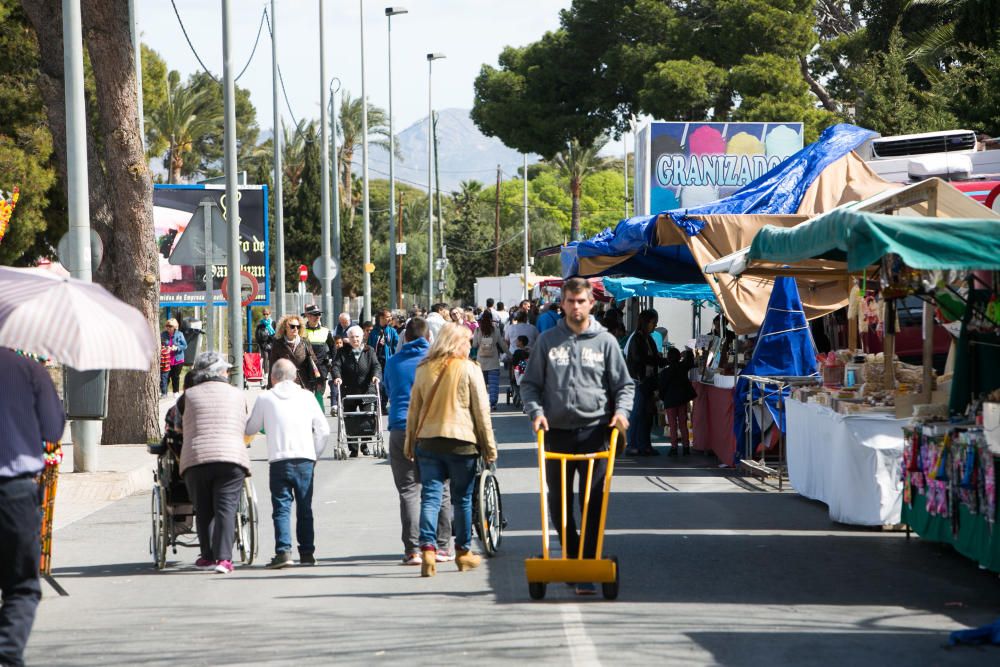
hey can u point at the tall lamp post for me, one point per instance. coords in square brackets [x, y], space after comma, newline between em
[393, 303]
[431, 57]
[326, 304]
[366, 213]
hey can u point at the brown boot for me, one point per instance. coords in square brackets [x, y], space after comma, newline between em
[428, 567]
[466, 560]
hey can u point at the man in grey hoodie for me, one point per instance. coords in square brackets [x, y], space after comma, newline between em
[577, 388]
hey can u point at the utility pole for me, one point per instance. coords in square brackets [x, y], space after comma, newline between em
[527, 293]
[399, 239]
[324, 280]
[133, 26]
[232, 199]
[625, 169]
[279, 205]
[393, 299]
[496, 229]
[338, 293]
[431, 57]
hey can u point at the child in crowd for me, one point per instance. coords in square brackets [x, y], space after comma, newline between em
[676, 391]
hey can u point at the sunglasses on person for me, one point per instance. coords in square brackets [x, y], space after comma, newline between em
[294, 326]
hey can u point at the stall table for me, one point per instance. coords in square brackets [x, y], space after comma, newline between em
[712, 421]
[850, 462]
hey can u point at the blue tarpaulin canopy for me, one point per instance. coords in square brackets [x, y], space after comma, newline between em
[625, 288]
[784, 347]
[631, 249]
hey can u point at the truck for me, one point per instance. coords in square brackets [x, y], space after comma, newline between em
[508, 289]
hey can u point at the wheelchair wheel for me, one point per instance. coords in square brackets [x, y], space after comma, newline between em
[246, 524]
[489, 512]
[610, 589]
[158, 539]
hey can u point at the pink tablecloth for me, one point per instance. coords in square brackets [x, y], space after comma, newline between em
[712, 420]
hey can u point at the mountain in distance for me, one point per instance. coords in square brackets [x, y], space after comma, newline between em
[464, 154]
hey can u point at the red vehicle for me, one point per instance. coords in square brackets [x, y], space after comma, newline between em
[910, 338]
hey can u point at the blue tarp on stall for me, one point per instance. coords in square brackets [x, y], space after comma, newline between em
[784, 347]
[779, 191]
[626, 288]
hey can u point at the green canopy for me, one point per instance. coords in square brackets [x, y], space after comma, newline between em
[863, 238]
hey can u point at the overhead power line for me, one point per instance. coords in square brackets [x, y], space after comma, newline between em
[201, 62]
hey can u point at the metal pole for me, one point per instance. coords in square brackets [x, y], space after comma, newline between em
[430, 187]
[137, 51]
[232, 199]
[392, 180]
[366, 213]
[338, 293]
[279, 204]
[85, 433]
[206, 207]
[525, 176]
[327, 302]
[625, 169]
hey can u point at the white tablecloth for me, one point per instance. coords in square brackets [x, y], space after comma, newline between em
[850, 462]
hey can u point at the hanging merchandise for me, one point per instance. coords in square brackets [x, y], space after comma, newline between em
[7, 205]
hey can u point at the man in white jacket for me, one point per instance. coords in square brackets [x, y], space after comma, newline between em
[296, 436]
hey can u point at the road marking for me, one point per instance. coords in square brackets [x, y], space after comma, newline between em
[581, 650]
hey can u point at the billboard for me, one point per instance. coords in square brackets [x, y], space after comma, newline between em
[684, 165]
[180, 244]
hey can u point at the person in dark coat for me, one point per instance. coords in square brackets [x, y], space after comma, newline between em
[288, 344]
[643, 363]
[676, 392]
[356, 370]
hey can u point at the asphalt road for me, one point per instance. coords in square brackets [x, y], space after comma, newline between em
[716, 570]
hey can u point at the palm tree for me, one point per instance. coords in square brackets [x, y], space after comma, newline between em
[184, 118]
[576, 163]
[293, 157]
[467, 194]
[349, 124]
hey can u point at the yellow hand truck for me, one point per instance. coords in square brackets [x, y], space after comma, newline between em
[545, 570]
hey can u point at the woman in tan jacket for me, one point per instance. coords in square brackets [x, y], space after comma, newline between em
[447, 428]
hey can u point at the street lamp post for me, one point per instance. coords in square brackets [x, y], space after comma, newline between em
[327, 300]
[366, 214]
[279, 205]
[431, 57]
[393, 303]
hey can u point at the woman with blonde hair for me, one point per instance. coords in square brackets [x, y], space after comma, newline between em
[447, 428]
[289, 344]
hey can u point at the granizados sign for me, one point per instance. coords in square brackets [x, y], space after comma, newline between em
[696, 163]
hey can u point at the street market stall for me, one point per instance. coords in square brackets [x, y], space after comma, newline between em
[854, 431]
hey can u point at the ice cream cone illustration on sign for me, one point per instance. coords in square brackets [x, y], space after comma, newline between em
[782, 142]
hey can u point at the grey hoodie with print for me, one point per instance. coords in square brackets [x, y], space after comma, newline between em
[574, 380]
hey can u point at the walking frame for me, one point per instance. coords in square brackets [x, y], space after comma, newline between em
[543, 570]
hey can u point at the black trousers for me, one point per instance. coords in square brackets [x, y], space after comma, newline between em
[20, 547]
[580, 441]
[215, 492]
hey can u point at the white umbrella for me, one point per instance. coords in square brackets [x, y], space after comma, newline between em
[80, 324]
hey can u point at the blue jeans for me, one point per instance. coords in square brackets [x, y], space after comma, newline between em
[20, 523]
[292, 478]
[492, 379]
[640, 422]
[435, 468]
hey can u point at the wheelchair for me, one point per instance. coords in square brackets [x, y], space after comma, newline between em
[172, 512]
[487, 508]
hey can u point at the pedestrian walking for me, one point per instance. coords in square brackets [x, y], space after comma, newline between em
[289, 344]
[263, 336]
[356, 370]
[321, 340]
[437, 318]
[520, 327]
[398, 382]
[30, 415]
[344, 322]
[296, 432]
[384, 340]
[676, 392]
[174, 342]
[489, 346]
[447, 428]
[214, 460]
[576, 388]
[644, 363]
[550, 317]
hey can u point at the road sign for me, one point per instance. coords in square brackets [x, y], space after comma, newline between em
[369, 268]
[303, 273]
[190, 247]
[96, 251]
[400, 248]
[249, 288]
[440, 263]
[317, 268]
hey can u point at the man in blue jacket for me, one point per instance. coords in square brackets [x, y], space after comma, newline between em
[397, 379]
[30, 414]
[384, 340]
